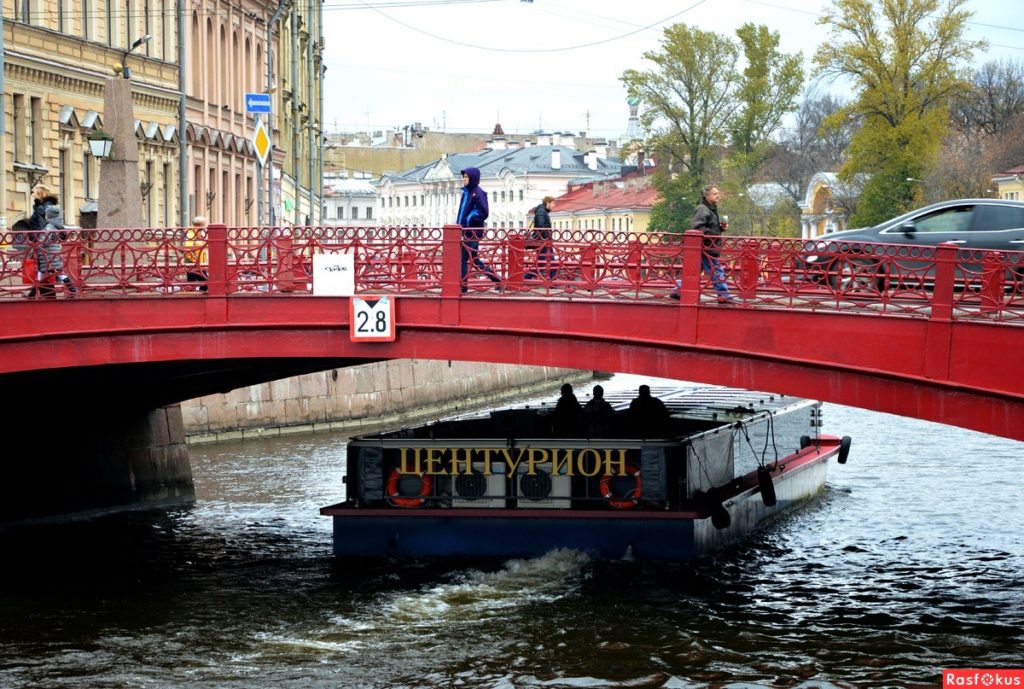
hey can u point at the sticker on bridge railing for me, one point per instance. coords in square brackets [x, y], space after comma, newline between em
[334, 275]
[372, 319]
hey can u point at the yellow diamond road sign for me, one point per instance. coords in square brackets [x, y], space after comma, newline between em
[261, 141]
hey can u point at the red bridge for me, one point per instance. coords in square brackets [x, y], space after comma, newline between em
[935, 334]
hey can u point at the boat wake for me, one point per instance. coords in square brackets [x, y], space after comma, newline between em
[476, 596]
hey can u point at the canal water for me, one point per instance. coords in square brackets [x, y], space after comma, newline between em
[912, 561]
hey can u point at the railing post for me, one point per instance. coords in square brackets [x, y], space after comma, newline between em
[945, 274]
[516, 260]
[451, 253]
[285, 262]
[217, 246]
[993, 282]
[693, 252]
[73, 261]
[588, 265]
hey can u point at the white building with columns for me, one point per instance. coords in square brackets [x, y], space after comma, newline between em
[822, 210]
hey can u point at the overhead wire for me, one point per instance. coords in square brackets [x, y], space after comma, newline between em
[556, 49]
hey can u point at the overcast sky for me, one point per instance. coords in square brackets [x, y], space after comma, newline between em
[462, 65]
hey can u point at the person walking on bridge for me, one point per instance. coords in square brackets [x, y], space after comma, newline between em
[706, 219]
[195, 252]
[473, 212]
[540, 238]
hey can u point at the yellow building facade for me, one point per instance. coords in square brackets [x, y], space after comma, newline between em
[56, 60]
[1010, 183]
[57, 56]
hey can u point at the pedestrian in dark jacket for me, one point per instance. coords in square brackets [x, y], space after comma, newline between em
[540, 238]
[473, 212]
[706, 219]
[42, 197]
[40, 252]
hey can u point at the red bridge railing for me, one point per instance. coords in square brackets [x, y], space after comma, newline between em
[944, 282]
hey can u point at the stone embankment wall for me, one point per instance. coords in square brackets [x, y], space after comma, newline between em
[360, 398]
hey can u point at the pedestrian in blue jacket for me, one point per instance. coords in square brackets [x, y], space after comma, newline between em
[473, 212]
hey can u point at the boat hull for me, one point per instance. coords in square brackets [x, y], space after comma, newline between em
[606, 534]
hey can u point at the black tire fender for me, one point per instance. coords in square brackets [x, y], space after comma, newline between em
[844, 449]
[764, 481]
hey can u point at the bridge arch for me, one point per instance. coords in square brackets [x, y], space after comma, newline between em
[186, 348]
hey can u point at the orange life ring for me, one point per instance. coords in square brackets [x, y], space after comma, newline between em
[426, 487]
[631, 498]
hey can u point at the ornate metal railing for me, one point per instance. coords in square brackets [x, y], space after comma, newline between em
[945, 282]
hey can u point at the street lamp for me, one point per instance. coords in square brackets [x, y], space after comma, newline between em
[127, 73]
[100, 144]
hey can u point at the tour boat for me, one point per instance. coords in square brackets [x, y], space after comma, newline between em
[509, 483]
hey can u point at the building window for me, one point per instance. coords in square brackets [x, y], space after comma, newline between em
[86, 18]
[165, 19]
[147, 28]
[197, 184]
[168, 185]
[37, 130]
[147, 195]
[87, 175]
[62, 180]
[422, 201]
[520, 194]
[369, 212]
[111, 14]
[18, 127]
[355, 213]
[341, 212]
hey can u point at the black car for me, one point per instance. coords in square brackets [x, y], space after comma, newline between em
[859, 256]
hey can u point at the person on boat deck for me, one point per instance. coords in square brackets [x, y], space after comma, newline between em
[648, 416]
[567, 419]
[598, 414]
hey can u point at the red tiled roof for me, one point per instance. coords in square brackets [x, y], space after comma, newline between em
[607, 196]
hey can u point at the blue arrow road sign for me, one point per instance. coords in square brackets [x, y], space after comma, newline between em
[257, 102]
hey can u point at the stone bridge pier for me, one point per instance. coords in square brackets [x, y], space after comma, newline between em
[77, 462]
